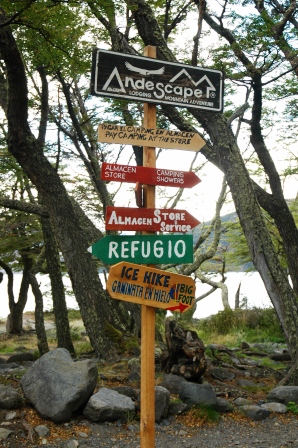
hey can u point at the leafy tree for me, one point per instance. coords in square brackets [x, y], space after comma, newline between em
[248, 62]
[254, 50]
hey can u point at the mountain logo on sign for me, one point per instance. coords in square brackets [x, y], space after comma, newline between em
[113, 74]
[210, 87]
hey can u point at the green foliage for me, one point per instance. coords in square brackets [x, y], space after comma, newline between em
[75, 333]
[206, 413]
[112, 333]
[251, 325]
[293, 407]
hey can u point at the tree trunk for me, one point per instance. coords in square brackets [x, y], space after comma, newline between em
[237, 297]
[225, 154]
[14, 324]
[186, 356]
[93, 301]
[57, 287]
[42, 342]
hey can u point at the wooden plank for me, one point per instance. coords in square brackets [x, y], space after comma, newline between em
[159, 249]
[149, 286]
[149, 219]
[161, 138]
[148, 176]
[138, 78]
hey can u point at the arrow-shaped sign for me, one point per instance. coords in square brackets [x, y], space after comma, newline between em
[149, 219]
[161, 138]
[146, 249]
[148, 176]
[152, 287]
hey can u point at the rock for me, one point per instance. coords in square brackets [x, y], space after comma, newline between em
[134, 365]
[241, 401]
[178, 408]
[222, 374]
[223, 405]
[173, 383]
[127, 391]
[134, 377]
[10, 416]
[162, 401]
[21, 357]
[57, 386]
[10, 398]
[9, 366]
[72, 444]
[256, 413]
[5, 433]
[108, 405]
[197, 394]
[42, 430]
[284, 394]
[248, 383]
[275, 407]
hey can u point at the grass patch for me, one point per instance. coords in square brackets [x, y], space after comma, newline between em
[231, 327]
[200, 416]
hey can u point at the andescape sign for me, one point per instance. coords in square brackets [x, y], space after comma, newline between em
[137, 78]
[144, 249]
[148, 176]
[162, 138]
[152, 287]
[149, 219]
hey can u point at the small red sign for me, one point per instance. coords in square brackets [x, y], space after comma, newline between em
[149, 219]
[148, 176]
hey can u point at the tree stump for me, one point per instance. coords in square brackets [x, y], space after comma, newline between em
[185, 355]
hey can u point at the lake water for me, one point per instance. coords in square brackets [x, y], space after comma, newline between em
[252, 289]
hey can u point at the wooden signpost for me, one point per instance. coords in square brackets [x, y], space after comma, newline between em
[153, 287]
[158, 82]
[163, 138]
[157, 249]
[149, 219]
[148, 175]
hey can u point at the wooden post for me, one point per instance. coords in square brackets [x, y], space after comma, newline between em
[147, 424]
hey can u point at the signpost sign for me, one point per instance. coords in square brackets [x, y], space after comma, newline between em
[149, 219]
[146, 249]
[137, 78]
[152, 287]
[148, 176]
[163, 138]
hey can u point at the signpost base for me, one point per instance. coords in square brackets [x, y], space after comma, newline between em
[147, 424]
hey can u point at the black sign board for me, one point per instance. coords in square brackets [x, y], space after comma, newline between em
[117, 75]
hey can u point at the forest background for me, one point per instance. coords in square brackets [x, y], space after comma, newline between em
[50, 122]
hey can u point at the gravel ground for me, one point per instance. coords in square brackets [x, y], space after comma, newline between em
[274, 432]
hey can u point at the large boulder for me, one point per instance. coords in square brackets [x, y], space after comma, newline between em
[162, 402]
[284, 394]
[57, 386]
[108, 405]
[197, 394]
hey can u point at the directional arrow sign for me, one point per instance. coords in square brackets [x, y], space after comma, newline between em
[161, 138]
[148, 176]
[146, 249]
[152, 287]
[149, 219]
